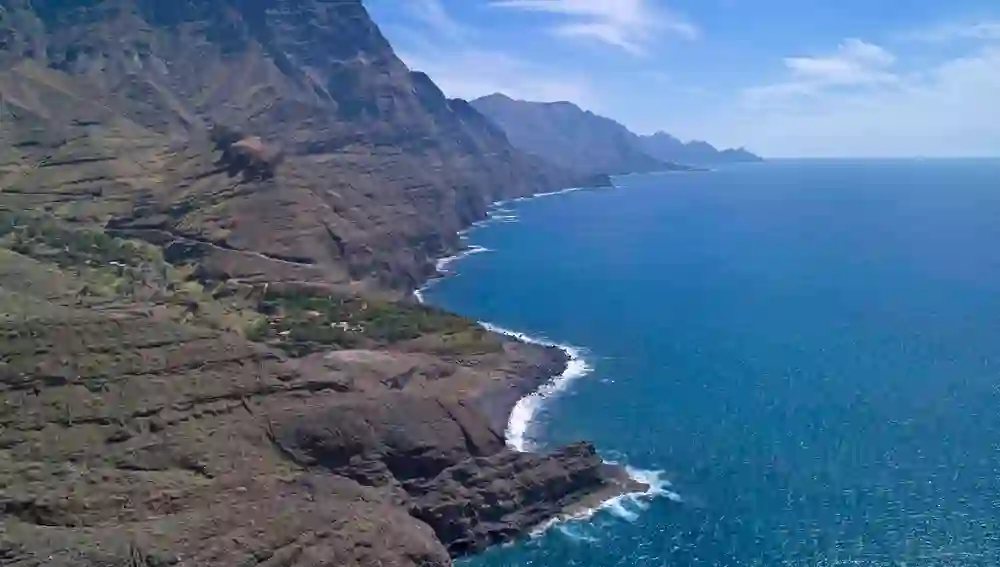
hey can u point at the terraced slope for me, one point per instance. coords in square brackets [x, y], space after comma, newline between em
[107, 106]
[203, 365]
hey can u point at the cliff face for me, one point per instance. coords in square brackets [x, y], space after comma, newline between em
[563, 133]
[578, 139]
[107, 103]
[204, 361]
[665, 146]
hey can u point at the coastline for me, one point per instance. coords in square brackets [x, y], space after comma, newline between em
[510, 405]
[498, 400]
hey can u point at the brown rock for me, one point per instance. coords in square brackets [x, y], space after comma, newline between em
[114, 99]
[486, 501]
[405, 436]
[138, 425]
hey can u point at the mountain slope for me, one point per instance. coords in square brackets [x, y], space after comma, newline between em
[129, 88]
[210, 213]
[565, 134]
[664, 146]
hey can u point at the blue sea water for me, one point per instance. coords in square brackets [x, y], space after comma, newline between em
[809, 351]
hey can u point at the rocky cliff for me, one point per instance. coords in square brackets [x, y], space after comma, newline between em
[564, 133]
[665, 146]
[106, 105]
[210, 211]
[578, 139]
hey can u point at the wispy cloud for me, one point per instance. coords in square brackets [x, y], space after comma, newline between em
[448, 50]
[950, 32]
[470, 73]
[433, 15]
[854, 63]
[631, 25]
[856, 100]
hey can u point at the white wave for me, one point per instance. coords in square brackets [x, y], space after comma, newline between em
[442, 265]
[418, 294]
[464, 233]
[576, 533]
[618, 507]
[560, 192]
[627, 507]
[657, 483]
[502, 204]
[523, 414]
[498, 212]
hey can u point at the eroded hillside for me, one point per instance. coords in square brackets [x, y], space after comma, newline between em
[107, 106]
[209, 362]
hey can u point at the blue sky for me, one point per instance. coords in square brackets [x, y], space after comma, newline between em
[782, 77]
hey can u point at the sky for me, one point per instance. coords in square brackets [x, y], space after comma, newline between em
[784, 78]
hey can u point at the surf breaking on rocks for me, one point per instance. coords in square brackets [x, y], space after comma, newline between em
[625, 507]
[498, 213]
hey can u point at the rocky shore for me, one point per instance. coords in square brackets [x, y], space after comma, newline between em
[205, 362]
[225, 451]
[497, 399]
[609, 481]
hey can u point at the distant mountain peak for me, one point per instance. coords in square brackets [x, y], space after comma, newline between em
[662, 134]
[564, 133]
[495, 96]
[667, 146]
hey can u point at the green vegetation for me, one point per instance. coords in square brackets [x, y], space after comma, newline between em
[302, 322]
[37, 234]
[108, 270]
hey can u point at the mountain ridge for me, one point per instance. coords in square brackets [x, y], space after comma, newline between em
[566, 134]
[212, 213]
[664, 145]
[256, 72]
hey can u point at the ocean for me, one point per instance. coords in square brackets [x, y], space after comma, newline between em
[803, 355]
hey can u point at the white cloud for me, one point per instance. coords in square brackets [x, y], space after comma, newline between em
[433, 15]
[926, 92]
[631, 25]
[445, 48]
[854, 63]
[944, 33]
[470, 73]
[855, 102]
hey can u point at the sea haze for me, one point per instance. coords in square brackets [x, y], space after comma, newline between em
[808, 351]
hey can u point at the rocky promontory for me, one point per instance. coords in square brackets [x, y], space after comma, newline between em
[129, 438]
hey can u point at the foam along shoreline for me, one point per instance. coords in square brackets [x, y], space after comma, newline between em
[548, 194]
[441, 267]
[630, 488]
[498, 212]
[523, 413]
[624, 505]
